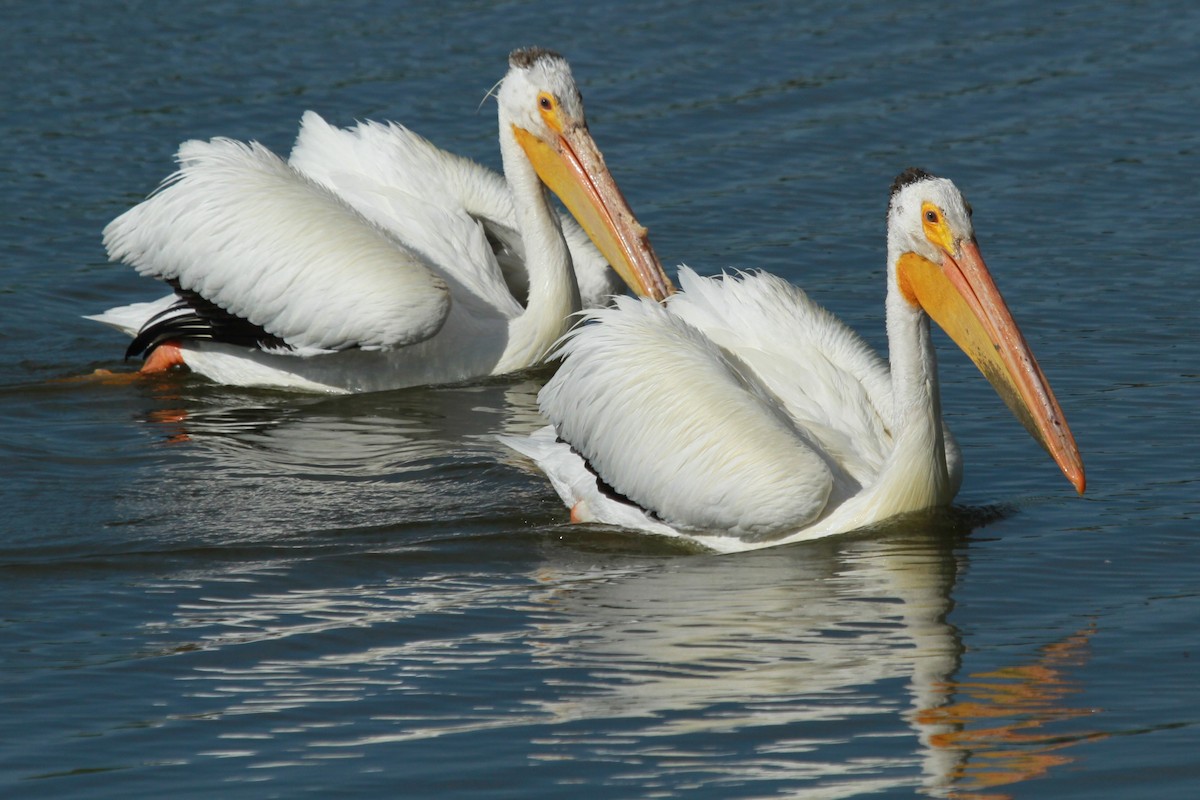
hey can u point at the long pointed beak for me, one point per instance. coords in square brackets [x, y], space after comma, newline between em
[963, 299]
[574, 169]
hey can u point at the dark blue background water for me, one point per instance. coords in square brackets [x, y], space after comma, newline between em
[210, 592]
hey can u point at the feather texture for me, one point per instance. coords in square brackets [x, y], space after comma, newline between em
[743, 414]
[375, 260]
[248, 234]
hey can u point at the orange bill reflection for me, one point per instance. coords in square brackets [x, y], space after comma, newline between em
[1007, 729]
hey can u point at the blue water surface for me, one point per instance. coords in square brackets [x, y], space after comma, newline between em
[214, 592]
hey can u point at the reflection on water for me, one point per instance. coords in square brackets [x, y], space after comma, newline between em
[765, 655]
[322, 627]
[1008, 729]
[831, 665]
[417, 417]
[263, 465]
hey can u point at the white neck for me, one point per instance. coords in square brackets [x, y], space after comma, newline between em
[916, 474]
[553, 291]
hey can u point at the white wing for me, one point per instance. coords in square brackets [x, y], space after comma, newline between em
[388, 173]
[129, 319]
[680, 428]
[239, 227]
[576, 484]
[740, 413]
[831, 382]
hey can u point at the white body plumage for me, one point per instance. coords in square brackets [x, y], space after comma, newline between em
[743, 414]
[375, 260]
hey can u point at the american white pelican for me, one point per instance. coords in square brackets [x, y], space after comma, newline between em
[743, 415]
[279, 281]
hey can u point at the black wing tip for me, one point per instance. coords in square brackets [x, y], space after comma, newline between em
[182, 326]
[193, 317]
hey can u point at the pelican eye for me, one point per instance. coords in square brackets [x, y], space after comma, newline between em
[545, 101]
[931, 216]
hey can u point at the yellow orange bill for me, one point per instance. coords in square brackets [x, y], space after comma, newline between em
[574, 169]
[962, 298]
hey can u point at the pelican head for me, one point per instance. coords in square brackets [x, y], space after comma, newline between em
[540, 101]
[939, 270]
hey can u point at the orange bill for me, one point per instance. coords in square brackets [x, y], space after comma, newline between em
[574, 169]
[962, 298]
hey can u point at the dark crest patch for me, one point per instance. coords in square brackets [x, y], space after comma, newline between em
[909, 177]
[526, 57]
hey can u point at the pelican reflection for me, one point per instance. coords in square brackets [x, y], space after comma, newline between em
[813, 664]
[834, 664]
[248, 464]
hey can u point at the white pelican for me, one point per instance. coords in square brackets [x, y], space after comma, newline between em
[281, 282]
[744, 415]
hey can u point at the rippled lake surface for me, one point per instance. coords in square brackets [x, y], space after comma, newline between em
[212, 592]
